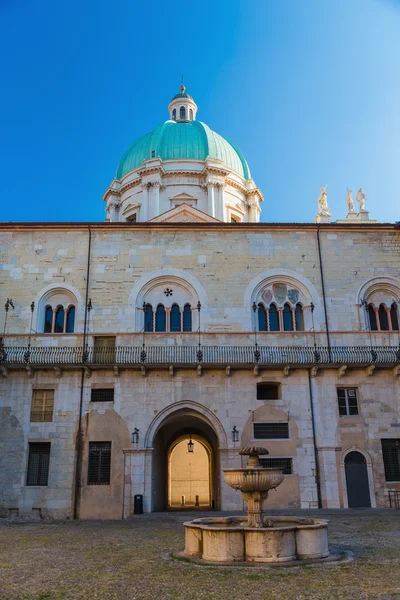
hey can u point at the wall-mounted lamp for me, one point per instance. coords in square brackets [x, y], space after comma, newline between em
[190, 445]
[235, 434]
[135, 436]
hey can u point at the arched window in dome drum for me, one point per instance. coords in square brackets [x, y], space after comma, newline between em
[191, 114]
[299, 317]
[161, 321]
[187, 318]
[48, 319]
[182, 113]
[175, 318]
[70, 319]
[372, 318]
[148, 317]
[174, 114]
[59, 323]
[287, 318]
[383, 318]
[273, 318]
[394, 315]
[262, 318]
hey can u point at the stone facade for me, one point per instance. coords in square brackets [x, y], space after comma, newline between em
[226, 267]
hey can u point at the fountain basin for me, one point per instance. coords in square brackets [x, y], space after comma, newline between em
[260, 479]
[228, 539]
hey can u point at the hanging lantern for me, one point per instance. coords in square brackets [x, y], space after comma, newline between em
[235, 434]
[190, 445]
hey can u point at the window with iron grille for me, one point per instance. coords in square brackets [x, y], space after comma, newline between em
[286, 464]
[267, 391]
[38, 464]
[42, 406]
[102, 395]
[347, 402]
[99, 463]
[271, 431]
[391, 458]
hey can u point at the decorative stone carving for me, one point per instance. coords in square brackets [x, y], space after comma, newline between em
[323, 208]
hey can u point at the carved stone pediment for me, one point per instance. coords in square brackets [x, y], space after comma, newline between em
[183, 199]
[184, 214]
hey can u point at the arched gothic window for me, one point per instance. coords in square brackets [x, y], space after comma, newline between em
[182, 113]
[262, 318]
[372, 318]
[299, 317]
[174, 114]
[148, 317]
[48, 319]
[394, 317]
[161, 320]
[273, 318]
[191, 114]
[187, 318]
[57, 310]
[59, 323]
[175, 318]
[287, 318]
[70, 320]
[383, 318]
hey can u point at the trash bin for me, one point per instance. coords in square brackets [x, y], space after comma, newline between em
[138, 504]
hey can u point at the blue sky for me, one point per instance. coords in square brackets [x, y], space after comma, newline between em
[309, 90]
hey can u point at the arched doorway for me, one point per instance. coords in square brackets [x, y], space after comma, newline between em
[189, 473]
[173, 472]
[357, 483]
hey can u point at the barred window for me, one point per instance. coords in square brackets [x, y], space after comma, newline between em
[102, 395]
[99, 467]
[38, 464]
[267, 391]
[271, 431]
[391, 458]
[286, 464]
[347, 402]
[42, 406]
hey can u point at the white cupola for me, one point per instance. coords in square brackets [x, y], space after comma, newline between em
[182, 107]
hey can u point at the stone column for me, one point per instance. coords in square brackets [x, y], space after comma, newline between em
[211, 199]
[145, 202]
[219, 211]
[254, 210]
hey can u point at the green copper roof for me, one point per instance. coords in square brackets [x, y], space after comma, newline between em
[183, 140]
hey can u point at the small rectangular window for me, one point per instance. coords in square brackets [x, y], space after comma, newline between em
[347, 402]
[286, 464]
[102, 395]
[99, 467]
[267, 391]
[271, 431]
[391, 458]
[38, 464]
[42, 406]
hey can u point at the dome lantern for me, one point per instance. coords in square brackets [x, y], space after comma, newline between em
[182, 107]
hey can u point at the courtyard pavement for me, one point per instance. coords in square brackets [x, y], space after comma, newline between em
[130, 560]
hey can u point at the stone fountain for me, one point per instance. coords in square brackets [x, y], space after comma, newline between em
[255, 539]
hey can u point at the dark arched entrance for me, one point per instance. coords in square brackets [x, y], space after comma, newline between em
[169, 482]
[357, 483]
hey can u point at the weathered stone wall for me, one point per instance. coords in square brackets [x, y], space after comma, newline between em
[224, 266]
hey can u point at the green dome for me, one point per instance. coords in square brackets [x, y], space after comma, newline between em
[190, 140]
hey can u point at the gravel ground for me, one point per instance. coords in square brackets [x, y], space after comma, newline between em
[129, 560]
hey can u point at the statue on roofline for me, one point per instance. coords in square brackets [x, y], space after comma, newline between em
[349, 200]
[361, 197]
[323, 208]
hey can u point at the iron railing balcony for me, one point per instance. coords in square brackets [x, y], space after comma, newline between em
[208, 355]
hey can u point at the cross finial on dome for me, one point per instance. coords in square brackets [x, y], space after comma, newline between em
[182, 88]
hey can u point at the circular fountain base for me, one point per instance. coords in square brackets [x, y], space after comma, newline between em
[224, 540]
